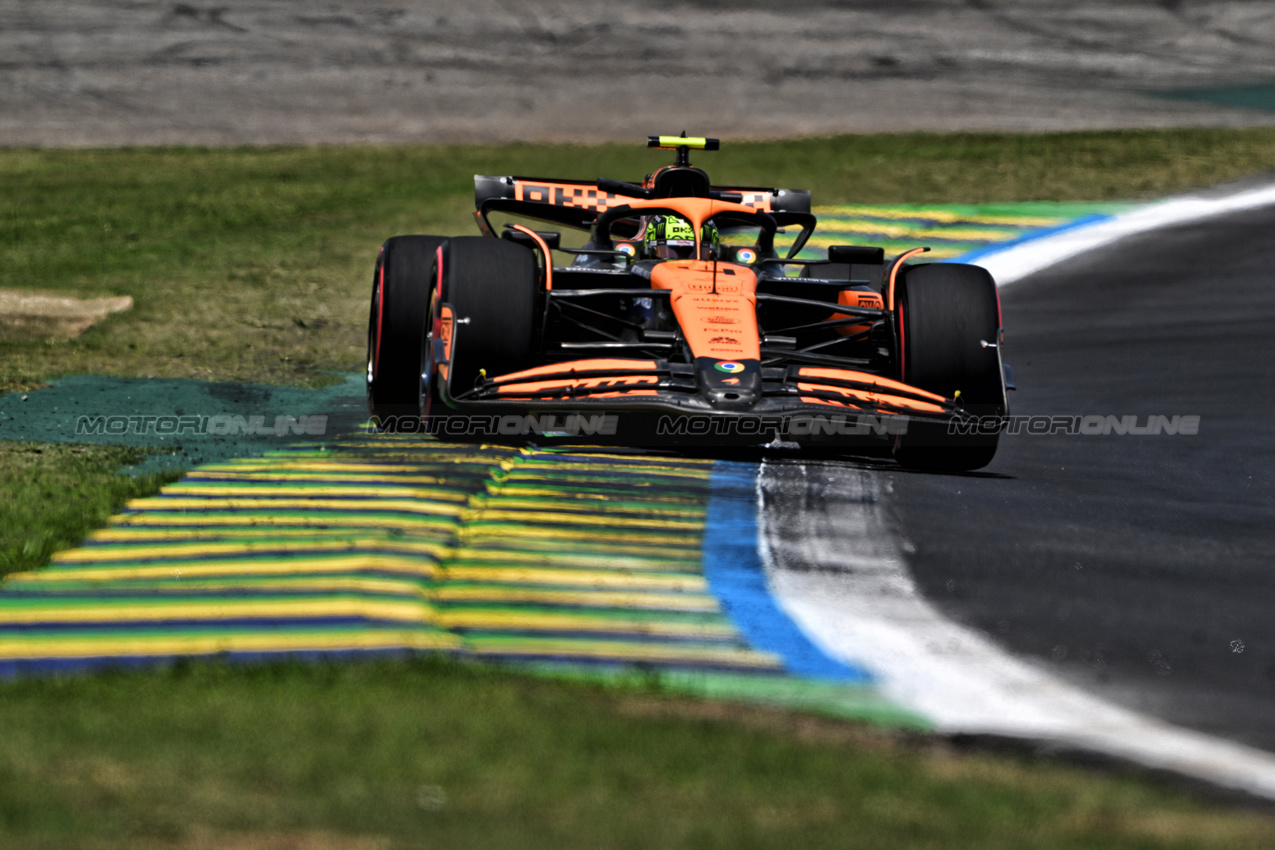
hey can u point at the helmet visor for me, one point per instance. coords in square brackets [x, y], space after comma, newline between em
[675, 249]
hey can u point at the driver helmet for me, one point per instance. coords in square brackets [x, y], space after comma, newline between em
[671, 237]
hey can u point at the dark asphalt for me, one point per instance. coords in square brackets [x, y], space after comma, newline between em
[1140, 567]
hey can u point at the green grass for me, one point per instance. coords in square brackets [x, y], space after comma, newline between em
[54, 494]
[436, 754]
[254, 265]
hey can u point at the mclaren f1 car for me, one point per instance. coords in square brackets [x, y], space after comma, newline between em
[681, 315]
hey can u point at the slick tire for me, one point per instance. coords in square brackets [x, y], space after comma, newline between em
[402, 284]
[493, 286]
[949, 326]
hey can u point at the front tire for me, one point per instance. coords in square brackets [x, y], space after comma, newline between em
[402, 284]
[494, 288]
[949, 327]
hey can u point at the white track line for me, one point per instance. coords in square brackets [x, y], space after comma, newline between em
[841, 576]
[1025, 258]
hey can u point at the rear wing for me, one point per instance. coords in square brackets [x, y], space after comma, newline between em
[582, 200]
[578, 203]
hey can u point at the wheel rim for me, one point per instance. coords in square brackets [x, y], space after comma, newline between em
[426, 390]
[427, 374]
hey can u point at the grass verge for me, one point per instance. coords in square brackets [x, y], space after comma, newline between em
[430, 753]
[53, 494]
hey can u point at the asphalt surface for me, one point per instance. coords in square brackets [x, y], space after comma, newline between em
[1138, 567]
[226, 72]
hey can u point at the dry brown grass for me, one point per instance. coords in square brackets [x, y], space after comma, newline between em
[28, 316]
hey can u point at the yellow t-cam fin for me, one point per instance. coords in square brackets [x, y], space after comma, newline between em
[674, 142]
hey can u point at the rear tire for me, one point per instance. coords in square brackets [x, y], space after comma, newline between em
[495, 284]
[401, 287]
[947, 312]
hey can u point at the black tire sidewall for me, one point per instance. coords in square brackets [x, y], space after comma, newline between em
[401, 290]
[946, 312]
[493, 287]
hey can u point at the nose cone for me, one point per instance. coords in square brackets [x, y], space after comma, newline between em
[729, 384]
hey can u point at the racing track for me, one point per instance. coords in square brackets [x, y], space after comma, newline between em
[1137, 567]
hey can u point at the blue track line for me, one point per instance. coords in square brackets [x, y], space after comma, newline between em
[737, 578]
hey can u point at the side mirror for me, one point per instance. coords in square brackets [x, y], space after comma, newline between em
[856, 255]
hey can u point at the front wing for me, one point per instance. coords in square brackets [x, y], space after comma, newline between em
[653, 402]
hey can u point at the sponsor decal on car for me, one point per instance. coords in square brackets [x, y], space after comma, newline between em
[728, 366]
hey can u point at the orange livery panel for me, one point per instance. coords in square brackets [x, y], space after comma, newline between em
[567, 195]
[873, 381]
[582, 386]
[715, 305]
[597, 364]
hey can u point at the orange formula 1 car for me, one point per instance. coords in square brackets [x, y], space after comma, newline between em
[677, 321]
